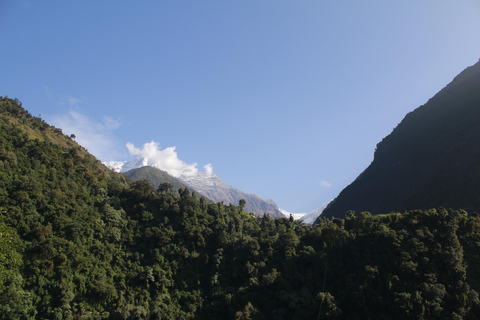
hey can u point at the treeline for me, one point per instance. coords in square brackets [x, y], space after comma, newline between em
[79, 242]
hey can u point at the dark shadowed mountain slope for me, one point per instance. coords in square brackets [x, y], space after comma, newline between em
[431, 159]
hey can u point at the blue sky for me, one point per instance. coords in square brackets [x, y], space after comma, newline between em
[285, 99]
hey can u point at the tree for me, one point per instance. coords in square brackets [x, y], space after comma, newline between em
[242, 204]
[10, 258]
[165, 187]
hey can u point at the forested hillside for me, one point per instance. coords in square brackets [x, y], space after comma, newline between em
[157, 177]
[431, 159]
[77, 241]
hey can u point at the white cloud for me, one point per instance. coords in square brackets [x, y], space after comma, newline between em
[166, 159]
[325, 184]
[208, 168]
[64, 100]
[96, 137]
[111, 124]
[73, 102]
[48, 92]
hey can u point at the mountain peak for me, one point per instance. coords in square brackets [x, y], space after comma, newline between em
[208, 184]
[124, 166]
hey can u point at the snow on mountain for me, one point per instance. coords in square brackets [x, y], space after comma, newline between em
[313, 215]
[202, 180]
[296, 216]
[115, 165]
[308, 218]
[209, 185]
[124, 166]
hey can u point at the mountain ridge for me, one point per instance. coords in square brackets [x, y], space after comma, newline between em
[156, 177]
[209, 185]
[430, 159]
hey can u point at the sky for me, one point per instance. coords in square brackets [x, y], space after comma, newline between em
[284, 99]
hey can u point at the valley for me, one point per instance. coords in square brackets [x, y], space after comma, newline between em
[81, 241]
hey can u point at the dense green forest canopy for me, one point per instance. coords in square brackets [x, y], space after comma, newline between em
[78, 241]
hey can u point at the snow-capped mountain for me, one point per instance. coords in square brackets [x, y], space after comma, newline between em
[115, 165]
[313, 215]
[306, 217]
[124, 166]
[296, 216]
[209, 185]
